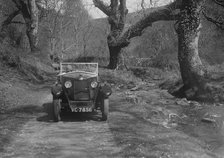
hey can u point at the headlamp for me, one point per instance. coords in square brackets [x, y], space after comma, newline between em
[68, 84]
[94, 84]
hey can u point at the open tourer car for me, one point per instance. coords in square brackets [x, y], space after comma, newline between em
[78, 89]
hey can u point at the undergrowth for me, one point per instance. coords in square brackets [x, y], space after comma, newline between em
[30, 67]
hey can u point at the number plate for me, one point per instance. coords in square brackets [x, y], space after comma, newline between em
[82, 109]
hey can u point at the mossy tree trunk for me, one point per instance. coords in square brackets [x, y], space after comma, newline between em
[192, 70]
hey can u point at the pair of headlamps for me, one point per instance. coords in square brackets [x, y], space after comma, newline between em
[68, 84]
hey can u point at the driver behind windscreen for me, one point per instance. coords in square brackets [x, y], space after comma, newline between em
[69, 68]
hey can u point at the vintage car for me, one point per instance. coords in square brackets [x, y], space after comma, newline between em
[78, 89]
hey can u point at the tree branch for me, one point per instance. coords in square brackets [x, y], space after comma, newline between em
[218, 23]
[17, 4]
[114, 6]
[219, 2]
[18, 22]
[165, 13]
[10, 18]
[143, 4]
[123, 10]
[22, 6]
[105, 8]
[39, 4]
[7, 22]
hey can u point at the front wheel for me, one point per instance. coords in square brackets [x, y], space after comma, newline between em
[56, 110]
[105, 109]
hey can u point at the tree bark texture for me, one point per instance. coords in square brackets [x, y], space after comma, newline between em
[189, 25]
[32, 25]
[116, 12]
[29, 12]
[114, 57]
[117, 22]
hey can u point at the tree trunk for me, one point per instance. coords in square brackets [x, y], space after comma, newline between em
[115, 57]
[32, 25]
[116, 12]
[192, 70]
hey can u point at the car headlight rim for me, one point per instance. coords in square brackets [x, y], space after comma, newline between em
[68, 84]
[94, 84]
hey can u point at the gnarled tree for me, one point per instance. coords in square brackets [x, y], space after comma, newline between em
[116, 13]
[29, 11]
[186, 13]
[119, 37]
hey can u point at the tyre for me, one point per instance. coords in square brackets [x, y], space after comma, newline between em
[56, 110]
[105, 109]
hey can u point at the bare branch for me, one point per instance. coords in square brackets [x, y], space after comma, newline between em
[123, 10]
[114, 6]
[18, 22]
[143, 4]
[39, 5]
[22, 6]
[10, 18]
[105, 8]
[218, 23]
[69, 47]
[17, 4]
[219, 2]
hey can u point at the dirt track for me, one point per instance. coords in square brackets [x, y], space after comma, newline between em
[74, 136]
[130, 131]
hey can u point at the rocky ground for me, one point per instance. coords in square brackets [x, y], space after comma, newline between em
[144, 121]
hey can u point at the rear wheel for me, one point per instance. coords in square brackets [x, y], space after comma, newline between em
[105, 109]
[56, 110]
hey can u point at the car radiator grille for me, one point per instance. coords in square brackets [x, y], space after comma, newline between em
[81, 90]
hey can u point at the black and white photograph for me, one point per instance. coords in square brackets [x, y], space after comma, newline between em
[111, 78]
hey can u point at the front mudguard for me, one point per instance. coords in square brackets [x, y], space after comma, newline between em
[105, 91]
[57, 91]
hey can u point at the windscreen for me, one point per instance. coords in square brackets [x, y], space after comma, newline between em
[79, 67]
